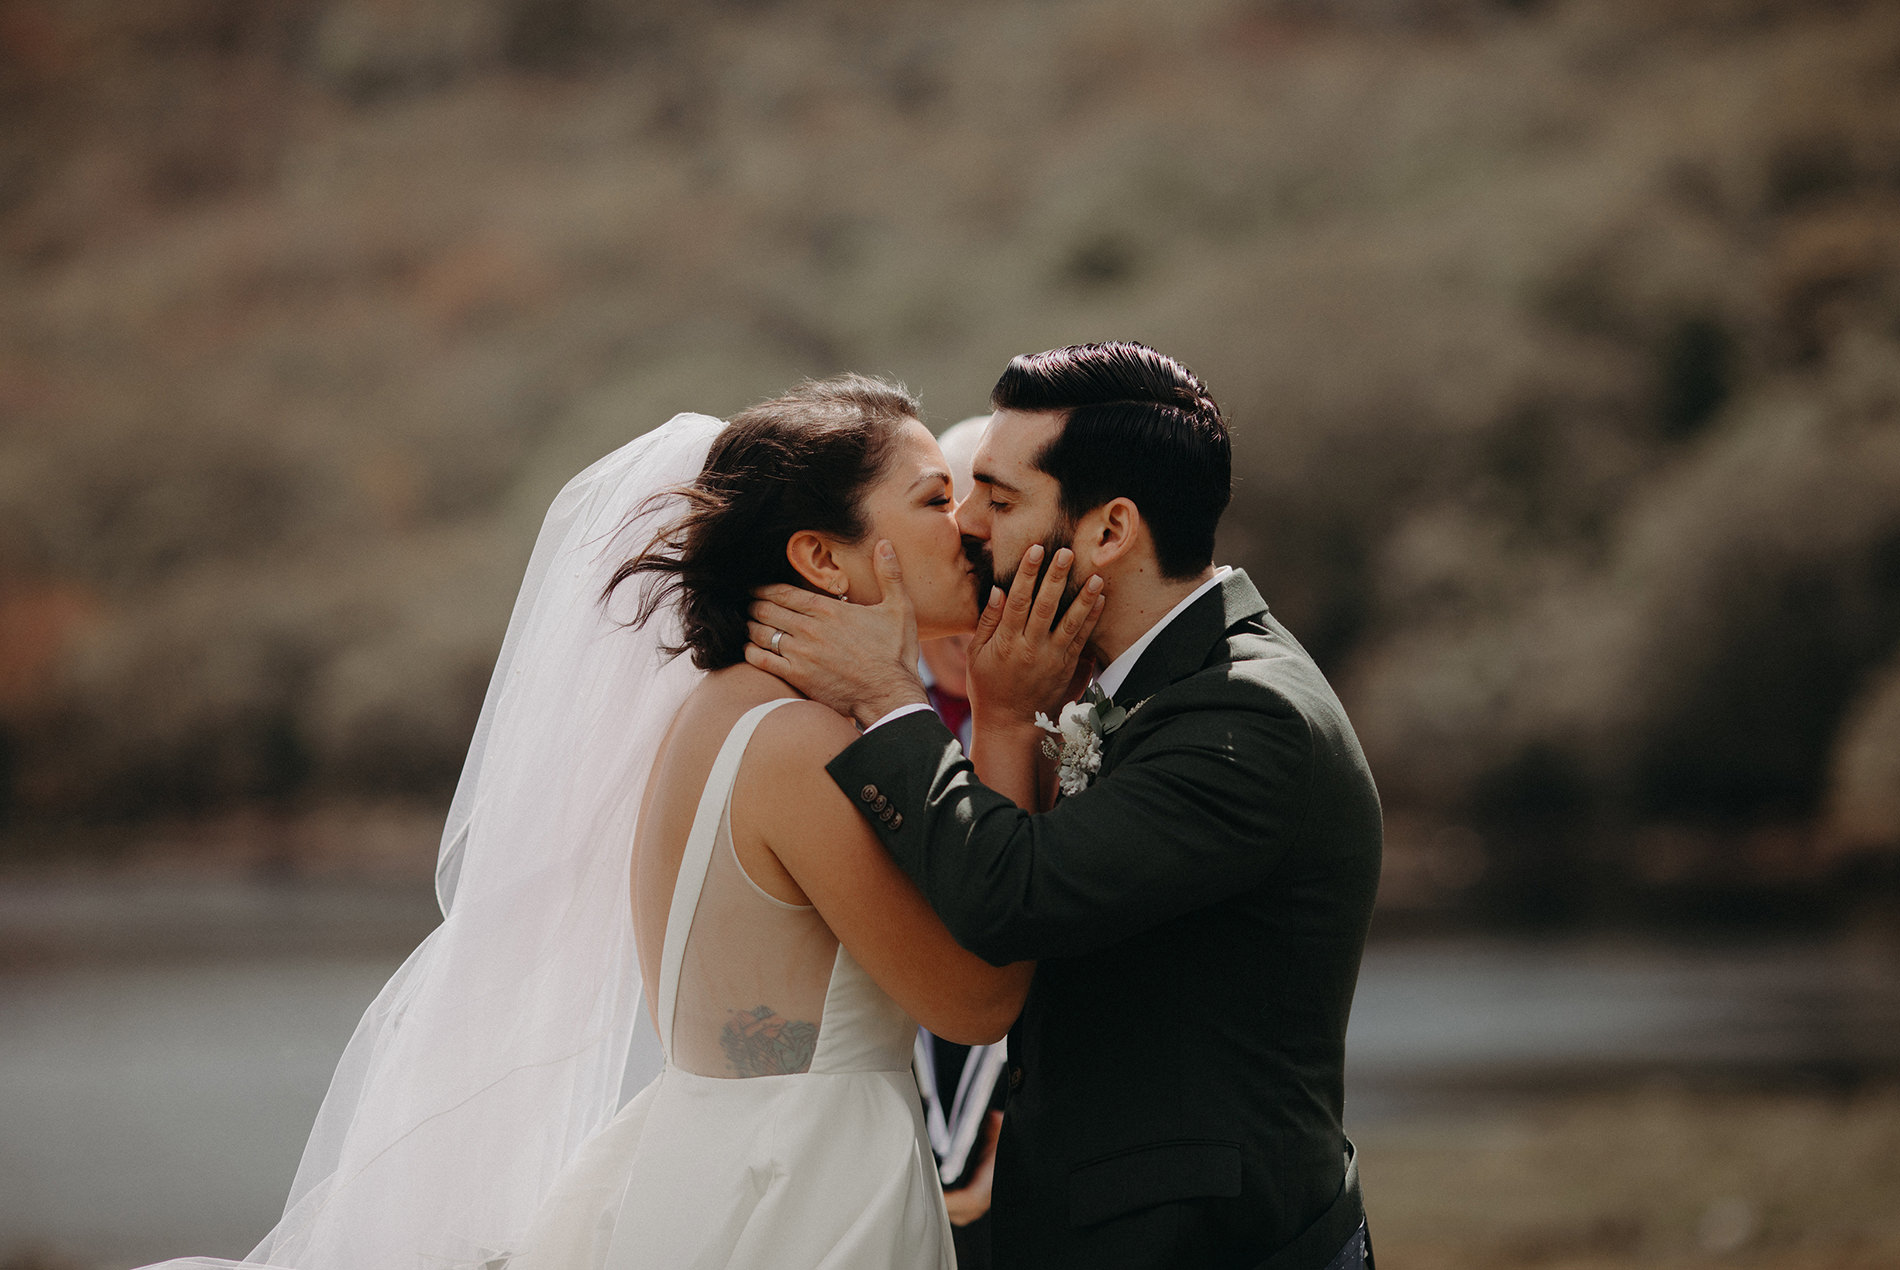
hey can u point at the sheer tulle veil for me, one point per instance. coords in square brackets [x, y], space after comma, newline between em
[509, 1037]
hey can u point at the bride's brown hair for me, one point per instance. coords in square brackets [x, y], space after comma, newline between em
[800, 461]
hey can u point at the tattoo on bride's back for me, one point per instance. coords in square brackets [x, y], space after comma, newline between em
[758, 1042]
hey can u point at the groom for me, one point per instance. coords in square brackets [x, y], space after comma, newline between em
[1199, 906]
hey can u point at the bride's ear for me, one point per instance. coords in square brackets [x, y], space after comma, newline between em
[815, 558]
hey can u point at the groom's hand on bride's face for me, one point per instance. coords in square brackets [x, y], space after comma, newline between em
[1022, 660]
[859, 659]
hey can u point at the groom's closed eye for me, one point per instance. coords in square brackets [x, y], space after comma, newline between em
[986, 481]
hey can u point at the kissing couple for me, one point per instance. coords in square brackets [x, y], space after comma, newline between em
[706, 794]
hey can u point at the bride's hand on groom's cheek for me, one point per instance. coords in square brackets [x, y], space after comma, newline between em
[1022, 660]
[859, 659]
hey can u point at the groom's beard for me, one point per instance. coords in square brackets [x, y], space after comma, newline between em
[981, 560]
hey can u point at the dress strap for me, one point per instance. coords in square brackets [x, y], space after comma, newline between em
[714, 798]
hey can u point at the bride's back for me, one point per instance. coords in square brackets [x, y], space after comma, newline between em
[755, 966]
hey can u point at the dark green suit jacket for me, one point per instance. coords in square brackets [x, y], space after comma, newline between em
[1198, 912]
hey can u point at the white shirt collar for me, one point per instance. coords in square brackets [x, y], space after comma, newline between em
[1110, 680]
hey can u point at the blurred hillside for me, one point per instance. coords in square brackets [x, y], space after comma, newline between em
[1561, 340]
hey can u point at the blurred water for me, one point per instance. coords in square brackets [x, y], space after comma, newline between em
[164, 1047]
[1451, 1025]
[143, 1116]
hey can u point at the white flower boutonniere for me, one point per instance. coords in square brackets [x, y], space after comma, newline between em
[1076, 740]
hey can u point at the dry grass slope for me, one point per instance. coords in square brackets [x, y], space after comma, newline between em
[1560, 341]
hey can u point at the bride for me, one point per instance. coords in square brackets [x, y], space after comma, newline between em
[480, 1115]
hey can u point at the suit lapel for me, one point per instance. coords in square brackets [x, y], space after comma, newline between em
[1185, 645]
[1182, 648]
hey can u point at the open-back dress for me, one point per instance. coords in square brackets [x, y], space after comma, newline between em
[785, 1130]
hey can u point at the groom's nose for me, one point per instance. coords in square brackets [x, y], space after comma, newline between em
[971, 522]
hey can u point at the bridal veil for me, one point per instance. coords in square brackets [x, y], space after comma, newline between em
[508, 1038]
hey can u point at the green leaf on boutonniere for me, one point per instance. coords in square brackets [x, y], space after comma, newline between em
[1104, 715]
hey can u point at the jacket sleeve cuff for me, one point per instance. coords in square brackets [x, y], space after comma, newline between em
[888, 772]
[899, 713]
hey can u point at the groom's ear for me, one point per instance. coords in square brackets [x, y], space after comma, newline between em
[1110, 531]
[814, 557]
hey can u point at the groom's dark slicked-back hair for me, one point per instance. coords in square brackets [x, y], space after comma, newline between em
[1137, 425]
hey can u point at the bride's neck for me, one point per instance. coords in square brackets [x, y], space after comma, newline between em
[744, 678]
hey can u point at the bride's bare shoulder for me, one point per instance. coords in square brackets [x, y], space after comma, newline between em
[803, 735]
[801, 730]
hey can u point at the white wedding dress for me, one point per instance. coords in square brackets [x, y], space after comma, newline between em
[480, 1116]
[825, 1165]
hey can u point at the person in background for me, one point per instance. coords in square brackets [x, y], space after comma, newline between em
[945, 667]
[962, 1085]
[945, 663]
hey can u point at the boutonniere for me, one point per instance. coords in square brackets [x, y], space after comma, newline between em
[1075, 741]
